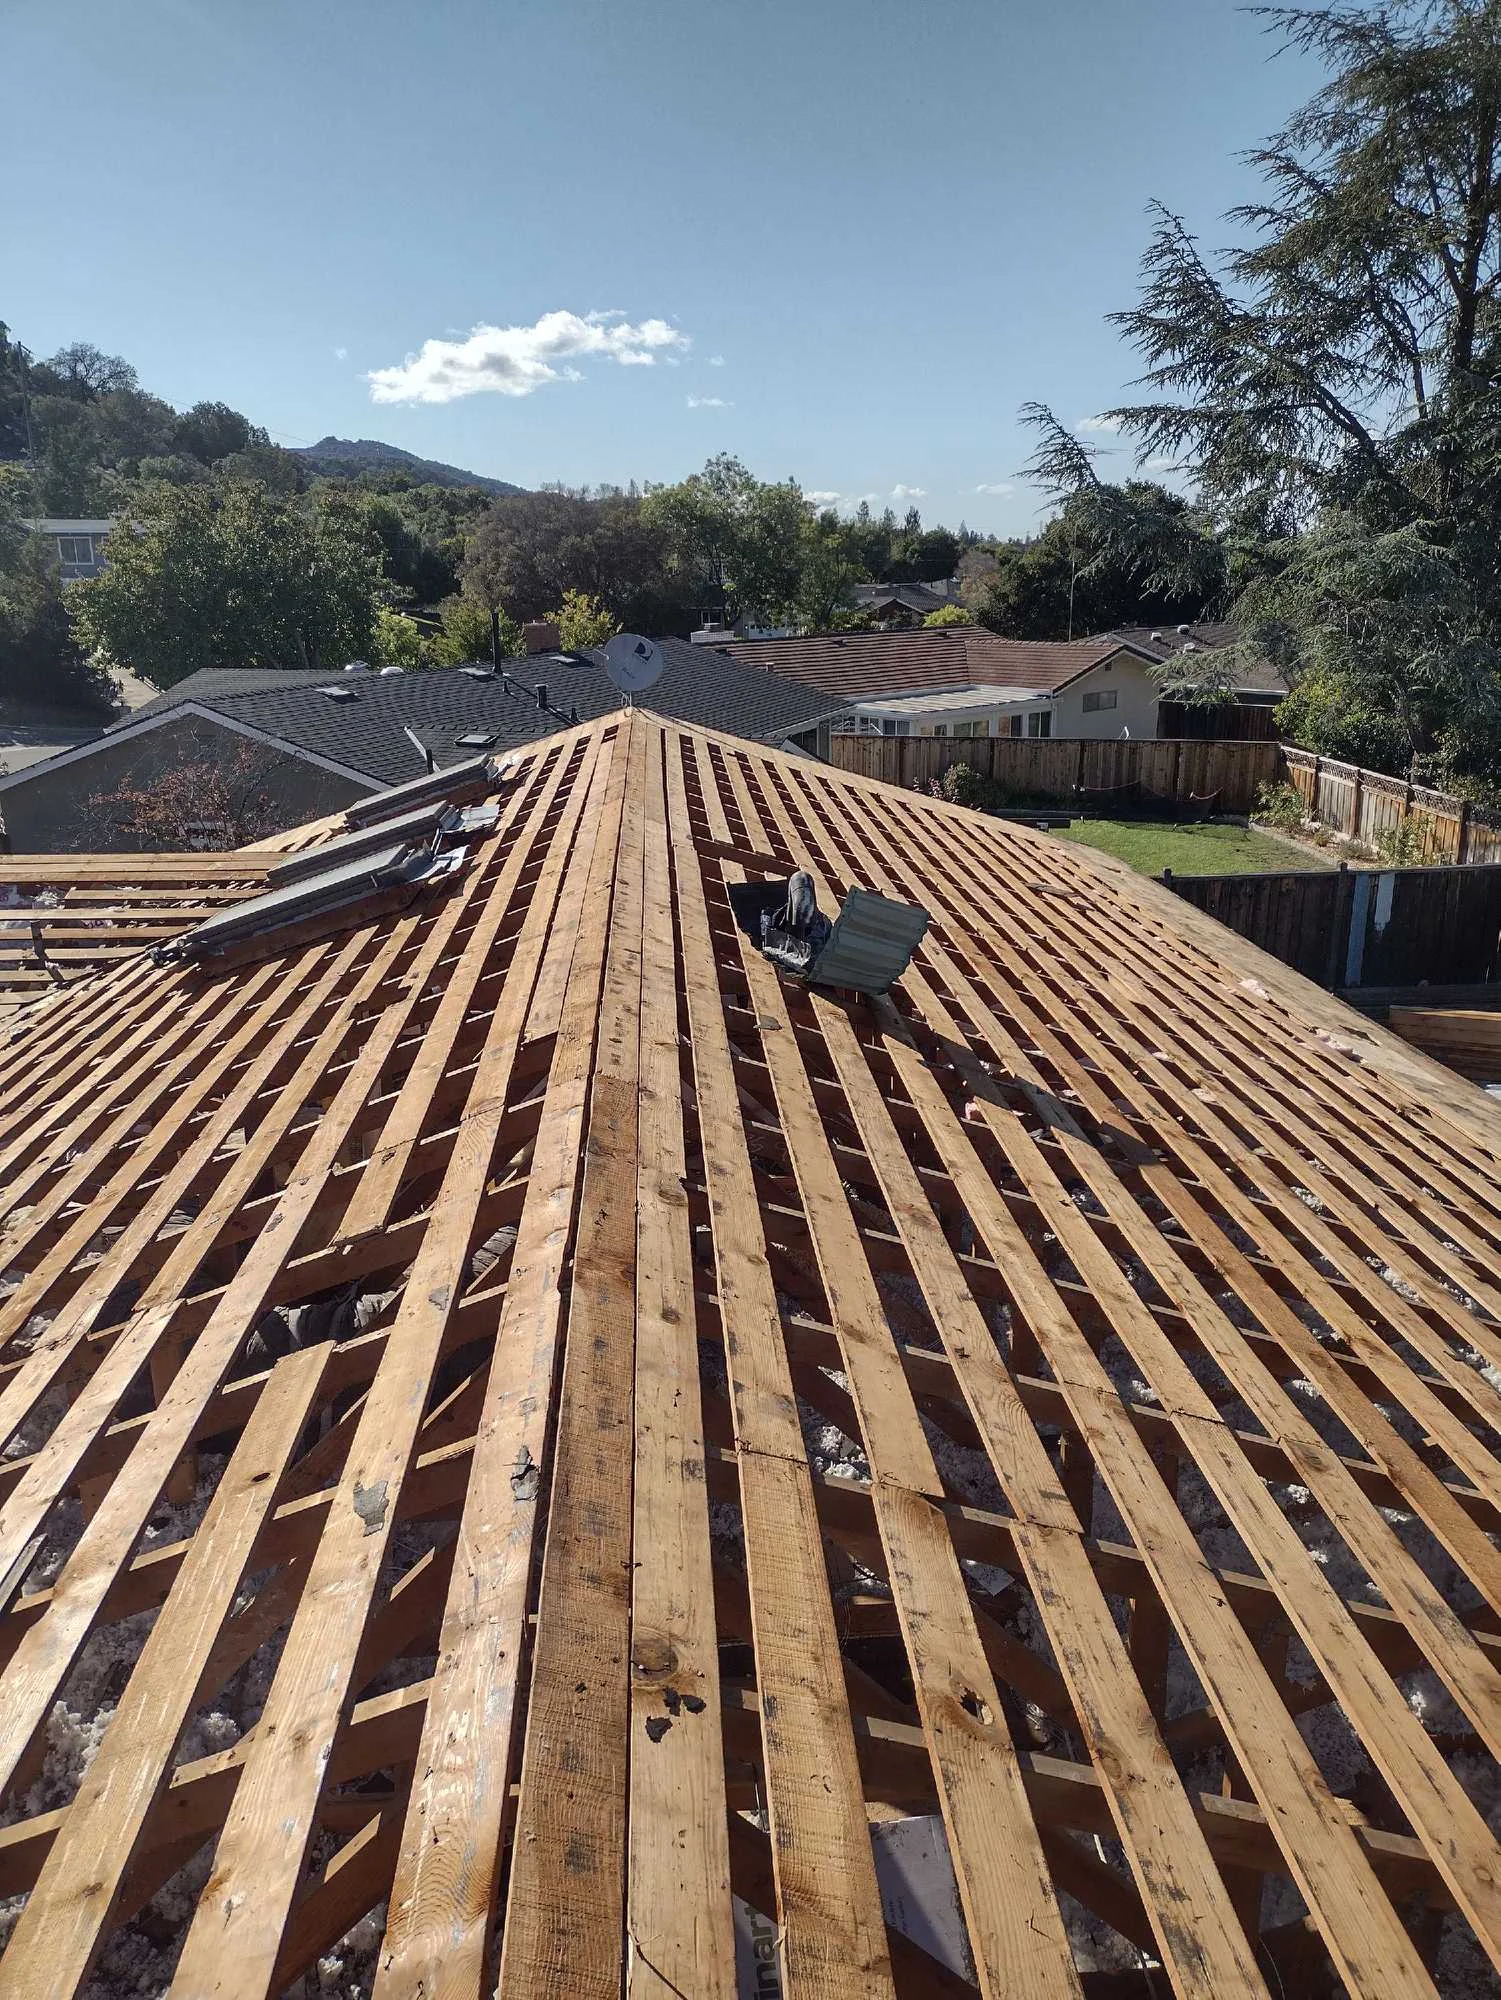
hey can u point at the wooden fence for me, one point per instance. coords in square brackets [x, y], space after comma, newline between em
[1365, 927]
[1241, 721]
[1037, 768]
[1372, 808]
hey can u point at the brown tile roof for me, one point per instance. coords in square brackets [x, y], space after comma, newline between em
[865, 665]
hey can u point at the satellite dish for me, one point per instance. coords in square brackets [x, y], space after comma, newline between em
[632, 663]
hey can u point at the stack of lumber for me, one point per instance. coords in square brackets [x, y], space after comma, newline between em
[517, 1428]
[1466, 1038]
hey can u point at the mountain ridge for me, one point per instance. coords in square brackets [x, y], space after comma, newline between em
[344, 458]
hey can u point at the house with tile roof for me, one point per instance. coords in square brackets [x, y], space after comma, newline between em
[1096, 687]
[312, 743]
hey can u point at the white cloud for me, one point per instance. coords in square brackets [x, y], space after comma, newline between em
[996, 488]
[716, 361]
[1098, 424]
[518, 360]
[821, 499]
[1161, 464]
[900, 492]
[709, 403]
[341, 354]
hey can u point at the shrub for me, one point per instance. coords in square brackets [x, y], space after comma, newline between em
[962, 785]
[1280, 806]
[1400, 846]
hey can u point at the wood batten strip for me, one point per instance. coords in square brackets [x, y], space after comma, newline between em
[448, 1865]
[62, 1928]
[261, 1851]
[831, 1929]
[678, 1920]
[1012, 1911]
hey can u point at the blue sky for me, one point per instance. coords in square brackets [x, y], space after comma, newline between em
[844, 239]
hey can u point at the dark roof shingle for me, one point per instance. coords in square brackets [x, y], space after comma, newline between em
[367, 734]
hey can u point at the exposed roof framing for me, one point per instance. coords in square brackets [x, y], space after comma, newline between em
[598, 1426]
[63, 916]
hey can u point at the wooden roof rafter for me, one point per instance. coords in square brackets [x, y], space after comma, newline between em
[541, 1614]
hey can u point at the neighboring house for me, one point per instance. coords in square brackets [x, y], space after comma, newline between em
[79, 545]
[902, 605]
[315, 742]
[1097, 687]
[1260, 680]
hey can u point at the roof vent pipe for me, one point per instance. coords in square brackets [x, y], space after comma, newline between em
[541, 694]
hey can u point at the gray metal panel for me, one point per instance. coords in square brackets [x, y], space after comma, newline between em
[316, 895]
[417, 791]
[871, 944]
[421, 822]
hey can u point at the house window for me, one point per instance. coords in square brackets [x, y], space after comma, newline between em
[1100, 698]
[940, 729]
[76, 555]
[1040, 722]
[1016, 725]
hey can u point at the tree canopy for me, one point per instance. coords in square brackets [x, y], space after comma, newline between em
[1334, 383]
[232, 576]
[40, 661]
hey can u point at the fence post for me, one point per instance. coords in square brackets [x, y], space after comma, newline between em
[1356, 797]
[1313, 802]
[1339, 927]
[1079, 768]
[1462, 851]
[1177, 774]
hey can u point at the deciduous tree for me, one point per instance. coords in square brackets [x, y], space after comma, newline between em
[232, 576]
[583, 621]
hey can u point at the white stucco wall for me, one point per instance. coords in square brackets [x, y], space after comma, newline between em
[1136, 701]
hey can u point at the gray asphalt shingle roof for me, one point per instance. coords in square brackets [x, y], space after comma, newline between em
[367, 733]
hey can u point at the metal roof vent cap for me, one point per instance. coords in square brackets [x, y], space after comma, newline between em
[386, 672]
[1184, 630]
[357, 667]
[1156, 638]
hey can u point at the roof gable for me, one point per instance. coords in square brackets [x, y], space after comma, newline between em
[746, 1401]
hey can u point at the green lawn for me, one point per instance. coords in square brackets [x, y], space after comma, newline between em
[1152, 845]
